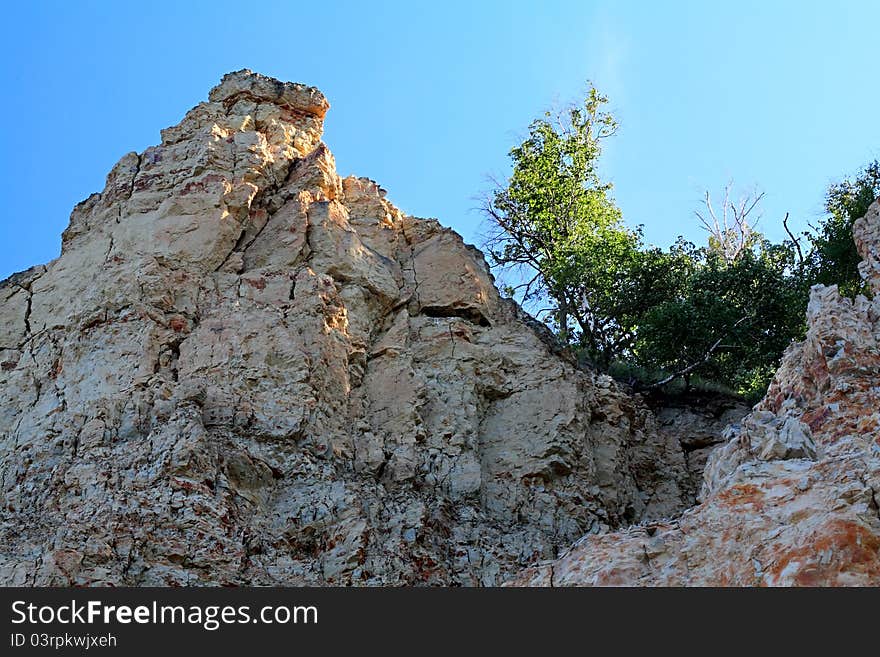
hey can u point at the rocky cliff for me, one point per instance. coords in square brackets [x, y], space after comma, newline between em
[243, 369]
[792, 497]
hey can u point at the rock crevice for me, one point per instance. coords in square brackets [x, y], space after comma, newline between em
[790, 499]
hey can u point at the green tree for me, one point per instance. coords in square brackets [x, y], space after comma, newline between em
[725, 311]
[732, 321]
[833, 259]
[738, 307]
[555, 223]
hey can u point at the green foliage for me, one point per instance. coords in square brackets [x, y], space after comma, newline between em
[634, 374]
[833, 258]
[754, 303]
[734, 319]
[721, 314]
[555, 219]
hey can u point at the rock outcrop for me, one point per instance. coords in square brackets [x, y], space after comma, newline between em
[792, 498]
[244, 369]
[698, 422]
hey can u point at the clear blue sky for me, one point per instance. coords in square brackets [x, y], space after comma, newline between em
[427, 98]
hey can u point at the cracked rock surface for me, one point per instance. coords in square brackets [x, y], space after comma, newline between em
[792, 498]
[244, 369]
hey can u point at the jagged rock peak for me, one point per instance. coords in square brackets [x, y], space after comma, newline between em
[244, 369]
[245, 84]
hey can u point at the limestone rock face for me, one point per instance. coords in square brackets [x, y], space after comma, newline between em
[698, 423]
[244, 369]
[792, 498]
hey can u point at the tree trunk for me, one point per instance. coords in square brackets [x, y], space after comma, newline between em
[563, 322]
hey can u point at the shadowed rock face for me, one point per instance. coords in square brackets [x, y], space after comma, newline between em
[697, 421]
[792, 498]
[245, 369]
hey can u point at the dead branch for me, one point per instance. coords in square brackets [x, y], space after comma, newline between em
[693, 366]
[733, 231]
[796, 241]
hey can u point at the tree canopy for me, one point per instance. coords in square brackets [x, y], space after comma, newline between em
[724, 311]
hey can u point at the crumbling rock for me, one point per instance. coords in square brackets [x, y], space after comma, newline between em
[762, 436]
[697, 421]
[244, 369]
[792, 498]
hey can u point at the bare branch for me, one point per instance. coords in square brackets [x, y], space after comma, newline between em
[693, 366]
[795, 241]
[527, 285]
[733, 232]
[712, 213]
